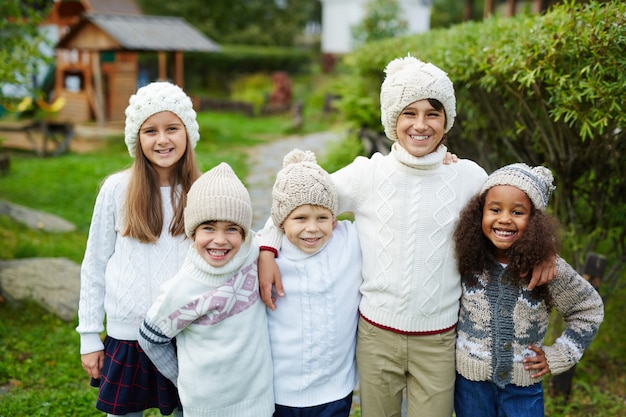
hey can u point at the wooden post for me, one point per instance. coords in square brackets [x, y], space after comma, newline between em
[511, 7]
[467, 10]
[162, 66]
[488, 8]
[179, 78]
[99, 89]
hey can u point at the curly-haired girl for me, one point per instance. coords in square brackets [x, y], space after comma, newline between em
[500, 357]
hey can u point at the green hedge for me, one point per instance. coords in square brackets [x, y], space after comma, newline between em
[215, 71]
[543, 89]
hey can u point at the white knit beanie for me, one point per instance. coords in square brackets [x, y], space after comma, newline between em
[535, 182]
[301, 181]
[154, 98]
[408, 80]
[218, 195]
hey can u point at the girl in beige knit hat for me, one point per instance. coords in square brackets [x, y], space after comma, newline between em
[405, 205]
[137, 242]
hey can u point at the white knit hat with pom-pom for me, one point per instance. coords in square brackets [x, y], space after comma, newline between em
[408, 80]
[536, 182]
[301, 181]
[152, 99]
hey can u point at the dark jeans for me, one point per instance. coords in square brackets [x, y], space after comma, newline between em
[486, 399]
[339, 408]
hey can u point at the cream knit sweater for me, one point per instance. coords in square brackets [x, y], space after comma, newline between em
[405, 212]
[120, 276]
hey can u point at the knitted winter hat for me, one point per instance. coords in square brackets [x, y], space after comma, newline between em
[301, 181]
[535, 182]
[154, 98]
[218, 195]
[408, 80]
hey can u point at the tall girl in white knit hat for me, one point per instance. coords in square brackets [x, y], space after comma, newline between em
[136, 242]
[221, 363]
[405, 205]
[500, 355]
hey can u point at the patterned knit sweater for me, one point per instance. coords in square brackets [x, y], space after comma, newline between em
[499, 320]
[120, 276]
[405, 210]
[222, 363]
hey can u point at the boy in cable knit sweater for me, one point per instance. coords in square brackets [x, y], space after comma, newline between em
[313, 333]
[500, 355]
[222, 363]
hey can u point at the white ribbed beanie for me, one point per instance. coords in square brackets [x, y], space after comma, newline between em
[408, 80]
[535, 182]
[218, 195]
[154, 98]
[301, 181]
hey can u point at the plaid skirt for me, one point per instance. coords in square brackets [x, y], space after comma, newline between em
[130, 382]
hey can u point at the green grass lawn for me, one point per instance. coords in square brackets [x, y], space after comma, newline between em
[40, 370]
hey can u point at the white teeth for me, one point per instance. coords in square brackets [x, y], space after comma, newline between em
[504, 233]
[419, 137]
[215, 252]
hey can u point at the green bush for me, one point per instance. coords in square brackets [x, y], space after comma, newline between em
[542, 89]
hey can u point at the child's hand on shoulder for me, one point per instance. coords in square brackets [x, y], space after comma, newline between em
[537, 363]
[450, 158]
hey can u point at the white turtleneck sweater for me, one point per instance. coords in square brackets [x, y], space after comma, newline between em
[313, 330]
[222, 363]
[405, 211]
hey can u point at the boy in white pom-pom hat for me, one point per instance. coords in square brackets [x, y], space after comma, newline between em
[313, 333]
[221, 362]
[500, 353]
[405, 206]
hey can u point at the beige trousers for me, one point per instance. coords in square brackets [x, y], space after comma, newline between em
[389, 362]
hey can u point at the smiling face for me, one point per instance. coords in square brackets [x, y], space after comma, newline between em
[309, 227]
[506, 214]
[163, 140]
[218, 242]
[420, 128]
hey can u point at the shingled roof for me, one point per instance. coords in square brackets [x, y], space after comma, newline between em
[112, 7]
[142, 33]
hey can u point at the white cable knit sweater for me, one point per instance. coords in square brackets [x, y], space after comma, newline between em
[120, 276]
[405, 211]
[313, 330]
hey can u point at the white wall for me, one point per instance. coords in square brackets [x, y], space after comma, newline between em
[338, 17]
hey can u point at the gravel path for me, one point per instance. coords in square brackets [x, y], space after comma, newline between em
[266, 160]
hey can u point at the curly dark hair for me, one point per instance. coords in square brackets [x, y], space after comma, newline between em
[538, 243]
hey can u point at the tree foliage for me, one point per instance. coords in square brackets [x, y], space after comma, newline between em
[382, 19]
[251, 22]
[20, 41]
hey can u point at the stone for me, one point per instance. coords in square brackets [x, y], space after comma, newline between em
[54, 283]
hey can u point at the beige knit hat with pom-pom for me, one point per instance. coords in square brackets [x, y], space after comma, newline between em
[218, 195]
[301, 181]
[408, 80]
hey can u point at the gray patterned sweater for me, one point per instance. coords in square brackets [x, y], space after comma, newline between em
[499, 320]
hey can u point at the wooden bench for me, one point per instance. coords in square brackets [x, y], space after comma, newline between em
[47, 138]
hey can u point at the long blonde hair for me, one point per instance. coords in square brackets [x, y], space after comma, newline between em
[144, 216]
